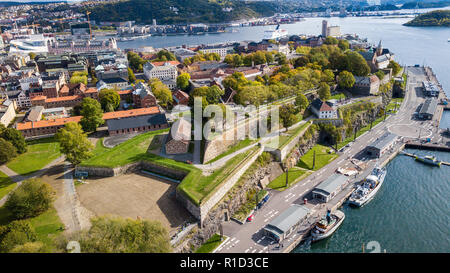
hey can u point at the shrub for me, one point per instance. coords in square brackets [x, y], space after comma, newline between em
[7, 151]
[16, 233]
[30, 199]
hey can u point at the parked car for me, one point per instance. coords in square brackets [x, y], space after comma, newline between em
[250, 218]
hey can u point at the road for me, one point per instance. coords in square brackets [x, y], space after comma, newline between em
[248, 238]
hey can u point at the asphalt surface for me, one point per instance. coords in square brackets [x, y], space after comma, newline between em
[249, 238]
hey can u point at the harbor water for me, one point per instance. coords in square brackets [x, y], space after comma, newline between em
[410, 213]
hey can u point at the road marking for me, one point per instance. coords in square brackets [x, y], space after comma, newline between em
[254, 251]
[247, 250]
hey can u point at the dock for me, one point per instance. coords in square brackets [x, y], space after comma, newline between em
[414, 156]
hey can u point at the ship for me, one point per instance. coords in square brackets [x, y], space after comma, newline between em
[365, 192]
[275, 34]
[429, 159]
[327, 225]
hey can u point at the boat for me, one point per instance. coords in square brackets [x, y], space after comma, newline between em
[275, 34]
[429, 159]
[327, 226]
[367, 190]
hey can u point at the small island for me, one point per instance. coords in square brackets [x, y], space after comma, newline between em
[440, 18]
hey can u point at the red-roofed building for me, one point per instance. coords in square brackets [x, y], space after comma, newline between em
[322, 109]
[180, 98]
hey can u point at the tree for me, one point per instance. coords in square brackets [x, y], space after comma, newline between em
[7, 151]
[74, 143]
[32, 55]
[301, 102]
[30, 199]
[331, 41]
[395, 67]
[109, 96]
[161, 92]
[212, 94]
[380, 74]
[16, 138]
[183, 81]
[135, 61]
[346, 80]
[324, 91]
[31, 247]
[356, 64]
[16, 233]
[78, 79]
[280, 58]
[343, 44]
[131, 76]
[92, 113]
[119, 235]
[168, 55]
[287, 115]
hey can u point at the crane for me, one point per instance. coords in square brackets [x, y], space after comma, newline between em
[89, 22]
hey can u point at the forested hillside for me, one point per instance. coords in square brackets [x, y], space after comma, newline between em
[433, 18]
[180, 11]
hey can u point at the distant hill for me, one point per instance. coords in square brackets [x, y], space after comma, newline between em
[180, 11]
[432, 18]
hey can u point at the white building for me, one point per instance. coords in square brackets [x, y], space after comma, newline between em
[26, 83]
[323, 110]
[165, 72]
[7, 112]
[32, 43]
[222, 50]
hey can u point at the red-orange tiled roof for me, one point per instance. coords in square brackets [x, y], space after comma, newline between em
[123, 92]
[175, 63]
[39, 98]
[66, 98]
[131, 113]
[46, 123]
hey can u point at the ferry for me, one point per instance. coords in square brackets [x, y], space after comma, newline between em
[327, 226]
[275, 34]
[429, 159]
[365, 192]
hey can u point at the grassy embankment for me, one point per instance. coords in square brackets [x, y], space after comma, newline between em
[324, 155]
[195, 186]
[211, 244]
[39, 153]
[6, 185]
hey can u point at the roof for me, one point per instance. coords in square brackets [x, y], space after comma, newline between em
[66, 98]
[180, 131]
[321, 105]
[35, 113]
[286, 220]
[136, 121]
[331, 184]
[113, 80]
[368, 56]
[383, 141]
[129, 113]
[429, 107]
[46, 123]
[175, 63]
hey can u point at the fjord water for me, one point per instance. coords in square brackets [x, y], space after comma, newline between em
[411, 212]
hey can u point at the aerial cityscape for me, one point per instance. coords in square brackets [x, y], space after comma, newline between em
[225, 126]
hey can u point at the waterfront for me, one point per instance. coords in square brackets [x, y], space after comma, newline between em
[410, 213]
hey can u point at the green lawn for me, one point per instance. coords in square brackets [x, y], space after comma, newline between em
[198, 187]
[338, 96]
[211, 244]
[39, 153]
[47, 225]
[195, 186]
[391, 106]
[323, 157]
[295, 175]
[240, 145]
[6, 185]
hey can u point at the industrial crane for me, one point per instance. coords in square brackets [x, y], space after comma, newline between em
[89, 22]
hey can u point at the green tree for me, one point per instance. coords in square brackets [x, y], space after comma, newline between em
[74, 143]
[32, 55]
[78, 79]
[301, 102]
[161, 92]
[346, 80]
[31, 247]
[331, 40]
[30, 199]
[16, 138]
[14, 234]
[324, 91]
[109, 96]
[92, 113]
[183, 81]
[395, 67]
[7, 151]
[167, 54]
[343, 44]
[356, 64]
[380, 74]
[135, 61]
[287, 115]
[131, 76]
[119, 235]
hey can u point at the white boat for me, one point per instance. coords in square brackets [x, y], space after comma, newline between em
[327, 226]
[365, 192]
[275, 34]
